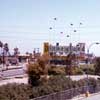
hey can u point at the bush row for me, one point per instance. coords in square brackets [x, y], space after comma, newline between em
[55, 83]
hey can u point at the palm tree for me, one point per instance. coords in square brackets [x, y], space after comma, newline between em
[6, 49]
[1, 44]
[6, 54]
[1, 52]
[1, 47]
[16, 53]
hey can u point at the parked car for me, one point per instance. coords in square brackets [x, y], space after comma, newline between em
[13, 61]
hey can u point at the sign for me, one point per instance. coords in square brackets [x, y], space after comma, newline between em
[46, 47]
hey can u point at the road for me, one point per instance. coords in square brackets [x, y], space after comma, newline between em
[20, 70]
[12, 71]
[14, 74]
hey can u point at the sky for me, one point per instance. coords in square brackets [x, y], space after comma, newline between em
[26, 23]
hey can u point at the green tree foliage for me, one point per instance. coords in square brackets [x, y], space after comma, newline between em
[97, 66]
[78, 71]
[34, 74]
[1, 44]
[15, 92]
[60, 83]
[16, 51]
[38, 69]
[70, 63]
[56, 70]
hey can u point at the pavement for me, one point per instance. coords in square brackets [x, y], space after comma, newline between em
[13, 74]
[78, 77]
[94, 96]
[79, 97]
[4, 68]
[17, 79]
[21, 68]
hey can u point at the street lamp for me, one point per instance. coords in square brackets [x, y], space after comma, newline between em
[91, 45]
[87, 92]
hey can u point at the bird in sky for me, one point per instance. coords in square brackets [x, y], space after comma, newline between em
[55, 18]
[67, 35]
[75, 31]
[71, 24]
[50, 28]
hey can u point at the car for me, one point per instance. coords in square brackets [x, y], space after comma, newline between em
[13, 61]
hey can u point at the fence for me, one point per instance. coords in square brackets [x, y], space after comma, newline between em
[68, 94]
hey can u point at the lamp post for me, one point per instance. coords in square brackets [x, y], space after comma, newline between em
[87, 92]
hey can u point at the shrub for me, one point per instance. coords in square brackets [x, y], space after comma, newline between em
[78, 71]
[54, 70]
[56, 83]
[15, 92]
[97, 66]
[60, 82]
[33, 74]
[88, 70]
[35, 71]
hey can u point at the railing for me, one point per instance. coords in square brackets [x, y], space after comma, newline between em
[69, 94]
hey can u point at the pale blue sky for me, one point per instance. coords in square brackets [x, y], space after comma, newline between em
[25, 23]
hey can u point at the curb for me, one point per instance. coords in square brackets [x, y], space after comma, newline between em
[5, 69]
[17, 76]
[11, 68]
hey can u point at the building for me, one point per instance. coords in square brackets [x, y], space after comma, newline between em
[60, 52]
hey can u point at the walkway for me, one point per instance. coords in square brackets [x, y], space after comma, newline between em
[95, 96]
[78, 77]
[18, 79]
[92, 97]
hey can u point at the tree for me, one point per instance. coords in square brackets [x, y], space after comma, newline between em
[1, 44]
[1, 48]
[97, 66]
[6, 49]
[6, 53]
[16, 54]
[16, 51]
[1, 51]
[38, 70]
[70, 62]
